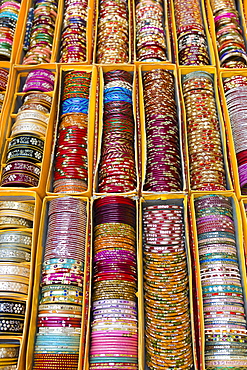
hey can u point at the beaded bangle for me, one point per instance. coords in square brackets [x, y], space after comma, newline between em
[206, 159]
[117, 164]
[150, 31]
[26, 144]
[73, 46]
[113, 33]
[221, 285]
[192, 41]
[163, 168]
[70, 167]
[235, 91]
[8, 21]
[39, 32]
[230, 41]
[114, 311]
[60, 308]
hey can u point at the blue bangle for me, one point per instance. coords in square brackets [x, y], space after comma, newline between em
[218, 259]
[75, 105]
[118, 89]
[61, 260]
[117, 97]
[233, 51]
[224, 288]
[216, 234]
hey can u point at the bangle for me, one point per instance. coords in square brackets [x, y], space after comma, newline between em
[150, 31]
[206, 170]
[70, 167]
[25, 207]
[60, 306]
[9, 325]
[163, 168]
[9, 352]
[22, 166]
[220, 277]
[33, 115]
[31, 126]
[14, 269]
[117, 171]
[234, 87]
[20, 238]
[112, 37]
[8, 306]
[20, 179]
[73, 34]
[31, 154]
[9, 221]
[11, 286]
[44, 99]
[114, 215]
[14, 254]
[192, 41]
[41, 80]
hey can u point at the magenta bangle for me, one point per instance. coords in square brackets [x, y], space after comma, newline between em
[119, 333]
[224, 15]
[41, 74]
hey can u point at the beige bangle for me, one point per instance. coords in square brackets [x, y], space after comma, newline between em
[33, 115]
[30, 126]
[11, 268]
[12, 286]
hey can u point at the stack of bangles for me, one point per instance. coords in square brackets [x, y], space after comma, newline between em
[206, 166]
[117, 171]
[58, 334]
[4, 75]
[9, 12]
[225, 325]
[73, 36]
[114, 338]
[163, 167]
[9, 353]
[150, 31]
[229, 34]
[71, 166]
[42, 32]
[113, 32]
[168, 342]
[25, 146]
[29, 24]
[16, 222]
[236, 98]
[192, 40]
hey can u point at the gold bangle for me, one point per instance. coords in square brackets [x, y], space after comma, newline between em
[11, 221]
[16, 213]
[18, 205]
[9, 352]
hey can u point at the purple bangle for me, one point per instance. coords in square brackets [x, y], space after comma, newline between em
[20, 179]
